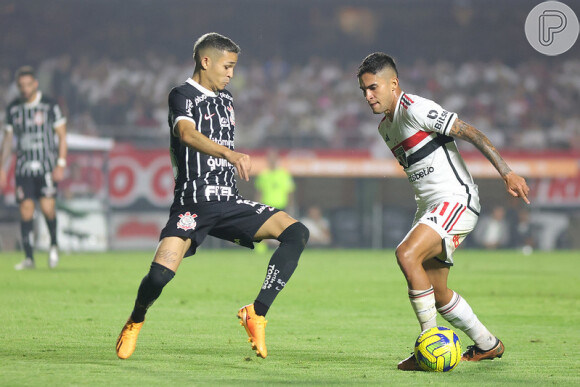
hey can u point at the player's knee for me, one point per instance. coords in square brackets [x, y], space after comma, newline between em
[160, 275]
[405, 258]
[401, 253]
[26, 210]
[296, 234]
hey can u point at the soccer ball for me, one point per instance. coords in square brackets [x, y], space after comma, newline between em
[438, 349]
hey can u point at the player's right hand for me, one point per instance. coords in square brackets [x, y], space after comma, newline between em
[517, 186]
[242, 162]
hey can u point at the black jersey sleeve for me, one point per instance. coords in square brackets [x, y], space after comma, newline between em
[180, 107]
[59, 118]
[8, 124]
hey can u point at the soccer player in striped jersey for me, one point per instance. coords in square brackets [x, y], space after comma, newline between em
[420, 134]
[206, 198]
[36, 121]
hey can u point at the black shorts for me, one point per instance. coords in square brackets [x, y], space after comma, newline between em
[236, 221]
[35, 187]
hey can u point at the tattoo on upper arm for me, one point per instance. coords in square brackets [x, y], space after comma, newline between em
[468, 133]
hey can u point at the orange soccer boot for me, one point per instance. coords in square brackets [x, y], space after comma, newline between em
[127, 340]
[255, 328]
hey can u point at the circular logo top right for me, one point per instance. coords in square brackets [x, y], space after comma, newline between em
[552, 28]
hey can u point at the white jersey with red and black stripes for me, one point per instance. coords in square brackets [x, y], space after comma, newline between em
[419, 139]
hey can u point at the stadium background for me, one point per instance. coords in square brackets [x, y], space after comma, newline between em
[111, 65]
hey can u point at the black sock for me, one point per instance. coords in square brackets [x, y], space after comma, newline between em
[27, 237]
[281, 266]
[51, 224]
[260, 308]
[150, 289]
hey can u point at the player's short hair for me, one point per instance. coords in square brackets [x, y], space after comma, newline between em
[25, 70]
[216, 41]
[376, 62]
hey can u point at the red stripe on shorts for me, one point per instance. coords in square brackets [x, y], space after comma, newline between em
[445, 205]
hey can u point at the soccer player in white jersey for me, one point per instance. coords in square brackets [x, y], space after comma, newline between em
[420, 133]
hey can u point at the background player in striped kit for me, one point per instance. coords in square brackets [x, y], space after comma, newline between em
[36, 121]
[420, 135]
[206, 198]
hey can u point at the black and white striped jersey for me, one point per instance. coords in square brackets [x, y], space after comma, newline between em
[33, 126]
[199, 177]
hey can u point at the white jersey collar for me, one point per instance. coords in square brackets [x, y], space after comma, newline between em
[386, 119]
[199, 87]
[36, 100]
[398, 104]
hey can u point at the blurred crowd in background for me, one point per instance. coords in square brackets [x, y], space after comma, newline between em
[317, 104]
[112, 64]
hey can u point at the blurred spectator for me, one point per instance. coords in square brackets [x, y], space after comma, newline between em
[319, 227]
[523, 232]
[493, 231]
[275, 185]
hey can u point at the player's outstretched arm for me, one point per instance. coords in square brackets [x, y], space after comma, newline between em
[189, 135]
[515, 184]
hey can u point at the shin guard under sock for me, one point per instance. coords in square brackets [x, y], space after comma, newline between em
[423, 303]
[51, 224]
[27, 236]
[282, 264]
[150, 289]
[460, 315]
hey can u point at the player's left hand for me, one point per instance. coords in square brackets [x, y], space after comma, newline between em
[242, 162]
[517, 186]
[58, 173]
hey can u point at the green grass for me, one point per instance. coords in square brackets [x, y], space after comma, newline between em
[344, 318]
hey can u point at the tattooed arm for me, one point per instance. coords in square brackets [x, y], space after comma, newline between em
[515, 184]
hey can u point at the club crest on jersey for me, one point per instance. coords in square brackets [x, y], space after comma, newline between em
[224, 123]
[38, 118]
[187, 221]
[401, 156]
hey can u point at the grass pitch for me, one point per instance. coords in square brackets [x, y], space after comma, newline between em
[344, 318]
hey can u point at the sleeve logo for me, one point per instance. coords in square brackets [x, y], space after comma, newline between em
[188, 107]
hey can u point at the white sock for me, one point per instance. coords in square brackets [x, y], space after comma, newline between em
[423, 303]
[461, 316]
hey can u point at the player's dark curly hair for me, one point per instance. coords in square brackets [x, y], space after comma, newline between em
[213, 40]
[375, 62]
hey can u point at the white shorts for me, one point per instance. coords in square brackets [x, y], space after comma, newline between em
[452, 220]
